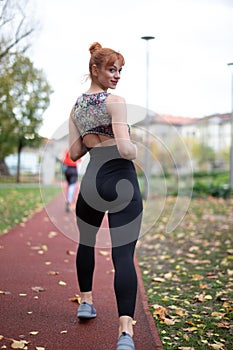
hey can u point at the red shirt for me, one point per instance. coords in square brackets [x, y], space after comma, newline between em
[68, 161]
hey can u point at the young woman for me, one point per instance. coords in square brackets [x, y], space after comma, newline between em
[98, 125]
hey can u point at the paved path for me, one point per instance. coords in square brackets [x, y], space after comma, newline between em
[38, 279]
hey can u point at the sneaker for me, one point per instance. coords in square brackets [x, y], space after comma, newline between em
[86, 310]
[125, 342]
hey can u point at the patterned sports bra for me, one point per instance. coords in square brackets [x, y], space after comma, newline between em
[91, 116]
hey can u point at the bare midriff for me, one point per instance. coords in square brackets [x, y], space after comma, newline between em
[95, 140]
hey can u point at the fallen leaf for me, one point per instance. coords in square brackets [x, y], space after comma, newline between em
[22, 294]
[168, 321]
[52, 234]
[40, 348]
[76, 299]
[223, 325]
[103, 253]
[19, 344]
[160, 311]
[158, 279]
[168, 275]
[197, 277]
[180, 312]
[200, 297]
[62, 283]
[1, 337]
[38, 289]
[34, 332]
[4, 292]
[218, 346]
[217, 314]
[70, 252]
[63, 332]
[53, 273]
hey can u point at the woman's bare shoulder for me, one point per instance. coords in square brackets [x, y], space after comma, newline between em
[115, 99]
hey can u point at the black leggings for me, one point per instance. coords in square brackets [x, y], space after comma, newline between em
[110, 185]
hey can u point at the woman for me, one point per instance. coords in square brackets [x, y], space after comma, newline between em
[98, 125]
[71, 175]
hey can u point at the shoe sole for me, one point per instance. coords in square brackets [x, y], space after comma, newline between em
[85, 316]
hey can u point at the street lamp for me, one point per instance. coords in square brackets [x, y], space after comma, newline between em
[147, 119]
[231, 150]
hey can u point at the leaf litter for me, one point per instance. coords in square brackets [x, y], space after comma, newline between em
[189, 274]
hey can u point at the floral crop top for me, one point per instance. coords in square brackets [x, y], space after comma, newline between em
[91, 116]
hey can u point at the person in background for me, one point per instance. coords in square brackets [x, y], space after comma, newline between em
[98, 125]
[70, 170]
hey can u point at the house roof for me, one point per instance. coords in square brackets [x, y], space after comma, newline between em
[179, 121]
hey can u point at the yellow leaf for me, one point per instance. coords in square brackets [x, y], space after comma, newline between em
[208, 297]
[103, 253]
[76, 299]
[180, 312]
[52, 234]
[217, 314]
[34, 333]
[197, 277]
[158, 279]
[1, 337]
[168, 275]
[186, 348]
[186, 337]
[38, 289]
[62, 283]
[53, 273]
[40, 348]
[200, 297]
[70, 252]
[218, 346]
[19, 344]
[223, 325]
[168, 321]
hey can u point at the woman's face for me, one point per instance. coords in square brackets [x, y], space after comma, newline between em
[108, 77]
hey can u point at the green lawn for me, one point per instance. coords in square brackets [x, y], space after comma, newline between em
[18, 202]
[188, 275]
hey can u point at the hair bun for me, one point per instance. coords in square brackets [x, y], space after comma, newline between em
[95, 46]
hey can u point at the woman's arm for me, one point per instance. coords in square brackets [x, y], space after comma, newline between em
[77, 148]
[116, 107]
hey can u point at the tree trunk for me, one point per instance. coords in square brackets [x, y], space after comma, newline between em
[4, 171]
[20, 146]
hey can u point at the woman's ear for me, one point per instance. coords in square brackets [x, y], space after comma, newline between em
[94, 70]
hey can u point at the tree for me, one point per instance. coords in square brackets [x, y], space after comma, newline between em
[24, 96]
[15, 27]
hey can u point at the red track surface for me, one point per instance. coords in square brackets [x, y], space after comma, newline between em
[39, 254]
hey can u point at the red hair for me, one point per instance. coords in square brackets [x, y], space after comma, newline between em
[103, 57]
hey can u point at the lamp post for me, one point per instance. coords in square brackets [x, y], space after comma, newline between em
[147, 120]
[231, 149]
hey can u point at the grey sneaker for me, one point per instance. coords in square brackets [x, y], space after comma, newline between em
[86, 310]
[125, 342]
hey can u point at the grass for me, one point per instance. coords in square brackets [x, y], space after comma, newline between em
[188, 275]
[18, 202]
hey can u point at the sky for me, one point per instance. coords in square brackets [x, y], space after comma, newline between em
[188, 71]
